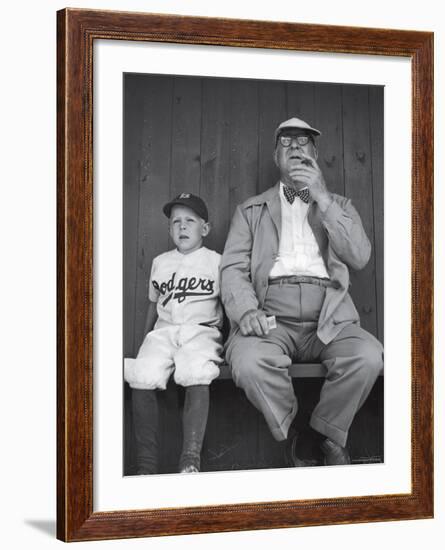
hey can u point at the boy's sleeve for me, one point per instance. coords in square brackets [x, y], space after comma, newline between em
[217, 273]
[153, 292]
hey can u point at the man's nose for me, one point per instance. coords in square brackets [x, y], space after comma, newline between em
[294, 144]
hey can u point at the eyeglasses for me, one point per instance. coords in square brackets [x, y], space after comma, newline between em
[287, 140]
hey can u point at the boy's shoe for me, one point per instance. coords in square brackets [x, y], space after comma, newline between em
[144, 472]
[189, 469]
[189, 463]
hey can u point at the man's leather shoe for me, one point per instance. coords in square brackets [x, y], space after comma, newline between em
[292, 460]
[334, 454]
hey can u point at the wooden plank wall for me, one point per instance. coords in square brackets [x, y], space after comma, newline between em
[214, 137]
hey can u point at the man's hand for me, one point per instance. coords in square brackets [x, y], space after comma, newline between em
[254, 323]
[309, 173]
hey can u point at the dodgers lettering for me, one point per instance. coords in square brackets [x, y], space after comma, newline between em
[184, 288]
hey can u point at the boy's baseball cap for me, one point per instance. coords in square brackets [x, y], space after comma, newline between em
[191, 201]
[295, 124]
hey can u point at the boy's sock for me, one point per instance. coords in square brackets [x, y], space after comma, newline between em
[145, 421]
[194, 421]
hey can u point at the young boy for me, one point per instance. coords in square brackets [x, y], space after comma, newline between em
[182, 335]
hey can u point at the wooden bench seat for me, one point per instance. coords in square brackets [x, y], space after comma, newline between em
[297, 370]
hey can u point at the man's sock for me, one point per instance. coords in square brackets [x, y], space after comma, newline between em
[194, 421]
[317, 437]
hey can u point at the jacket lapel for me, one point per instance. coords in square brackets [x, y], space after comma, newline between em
[274, 205]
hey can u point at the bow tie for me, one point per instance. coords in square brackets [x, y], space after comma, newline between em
[290, 194]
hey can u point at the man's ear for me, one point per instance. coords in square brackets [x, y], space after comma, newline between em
[316, 152]
[275, 157]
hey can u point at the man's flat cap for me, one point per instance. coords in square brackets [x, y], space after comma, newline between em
[295, 124]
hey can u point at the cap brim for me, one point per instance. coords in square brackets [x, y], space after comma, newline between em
[167, 209]
[308, 130]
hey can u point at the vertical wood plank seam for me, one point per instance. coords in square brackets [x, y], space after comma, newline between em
[171, 184]
[314, 104]
[201, 126]
[139, 265]
[258, 162]
[343, 139]
[230, 147]
[138, 172]
[374, 247]
[286, 99]
[139, 176]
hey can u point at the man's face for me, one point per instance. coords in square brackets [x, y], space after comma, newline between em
[289, 151]
[187, 229]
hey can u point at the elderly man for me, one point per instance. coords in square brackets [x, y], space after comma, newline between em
[288, 256]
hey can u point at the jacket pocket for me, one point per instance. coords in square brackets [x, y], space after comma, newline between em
[346, 311]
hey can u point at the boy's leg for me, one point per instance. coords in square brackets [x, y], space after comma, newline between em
[148, 372]
[145, 421]
[195, 368]
[194, 421]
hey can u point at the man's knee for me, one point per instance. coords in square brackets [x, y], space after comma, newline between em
[370, 353]
[243, 358]
[255, 360]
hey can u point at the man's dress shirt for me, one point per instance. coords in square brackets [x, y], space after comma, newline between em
[299, 253]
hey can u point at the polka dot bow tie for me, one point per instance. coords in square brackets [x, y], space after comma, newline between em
[290, 194]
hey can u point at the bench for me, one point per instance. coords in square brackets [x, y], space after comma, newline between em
[237, 437]
[297, 370]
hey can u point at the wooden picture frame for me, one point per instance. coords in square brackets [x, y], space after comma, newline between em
[77, 31]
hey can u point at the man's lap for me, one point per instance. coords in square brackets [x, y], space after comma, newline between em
[301, 344]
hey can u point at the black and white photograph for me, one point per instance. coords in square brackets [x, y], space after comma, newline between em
[253, 288]
[182, 378]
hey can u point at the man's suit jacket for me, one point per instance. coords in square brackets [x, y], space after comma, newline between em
[252, 247]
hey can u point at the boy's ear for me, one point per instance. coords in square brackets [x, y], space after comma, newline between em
[205, 229]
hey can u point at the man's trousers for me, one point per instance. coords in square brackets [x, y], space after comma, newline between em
[353, 360]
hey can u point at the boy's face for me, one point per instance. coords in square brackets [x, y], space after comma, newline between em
[187, 229]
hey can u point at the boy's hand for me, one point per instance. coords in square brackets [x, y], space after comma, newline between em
[254, 323]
